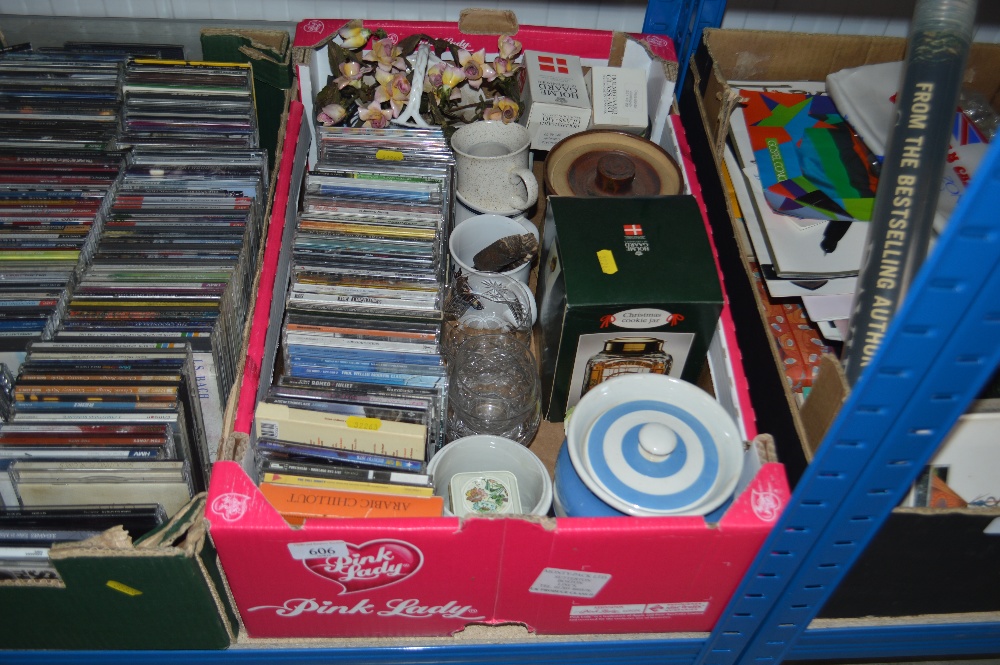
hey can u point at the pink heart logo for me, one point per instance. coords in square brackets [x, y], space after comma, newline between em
[373, 564]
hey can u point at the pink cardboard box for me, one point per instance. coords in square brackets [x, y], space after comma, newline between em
[429, 577]
[434, 576]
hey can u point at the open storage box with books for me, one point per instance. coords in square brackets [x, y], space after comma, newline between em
[390, 577]
[924, 560]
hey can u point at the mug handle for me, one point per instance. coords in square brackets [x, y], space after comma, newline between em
[530, 183]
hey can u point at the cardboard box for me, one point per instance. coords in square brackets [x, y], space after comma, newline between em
[554, 98]
[943, 551]
[617, 99]
[434, 576]
[620, 269]
[166, 591]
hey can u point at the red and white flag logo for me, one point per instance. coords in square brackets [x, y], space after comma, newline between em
[633, 230]
[550, 64]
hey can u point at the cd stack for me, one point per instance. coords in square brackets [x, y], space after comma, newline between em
[175, 259]
[99, 436]
[364, 384]
[27, 534]
[49, 202]
[59, 101]
[58, 119]
[180, 104]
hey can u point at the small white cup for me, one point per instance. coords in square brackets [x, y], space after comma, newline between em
[486, 452]
[479, 232]
[491, 161]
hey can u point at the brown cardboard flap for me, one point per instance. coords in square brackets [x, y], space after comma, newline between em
[761, 55]
[829, 390]
[615, 58]
[272, 40]
[488, 22]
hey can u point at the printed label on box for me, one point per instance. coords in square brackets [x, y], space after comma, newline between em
[619, 98]
[577, 583]
[334, 548]
[635, 610]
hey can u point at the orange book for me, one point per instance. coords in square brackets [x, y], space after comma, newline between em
[298, 503]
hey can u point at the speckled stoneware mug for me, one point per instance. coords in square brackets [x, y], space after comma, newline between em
[491, 159]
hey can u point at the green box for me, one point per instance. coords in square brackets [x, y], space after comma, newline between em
[165, 591]
[630, 279]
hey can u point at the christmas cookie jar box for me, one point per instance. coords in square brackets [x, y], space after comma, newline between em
[627, 285]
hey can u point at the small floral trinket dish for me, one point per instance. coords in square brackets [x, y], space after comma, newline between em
[484, 493]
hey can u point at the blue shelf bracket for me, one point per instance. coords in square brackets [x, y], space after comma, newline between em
[938, 353]
[683, 21]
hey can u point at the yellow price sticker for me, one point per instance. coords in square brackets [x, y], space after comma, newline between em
[359, 422]
[124, 588]
[607, 261]
[389, 155]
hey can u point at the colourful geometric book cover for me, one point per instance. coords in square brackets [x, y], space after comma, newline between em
[811, 163]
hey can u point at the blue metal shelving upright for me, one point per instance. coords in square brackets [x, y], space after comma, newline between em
[683, 21]
[940, 350]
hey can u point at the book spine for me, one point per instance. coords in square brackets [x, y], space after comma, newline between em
[354, 433]
[346, 473]
[346, 485]
[300, 502]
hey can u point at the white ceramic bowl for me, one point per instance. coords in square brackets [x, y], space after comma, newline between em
[649, 444]
[486, 452]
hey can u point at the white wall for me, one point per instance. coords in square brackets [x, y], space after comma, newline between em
[875, 17]
[626, 15]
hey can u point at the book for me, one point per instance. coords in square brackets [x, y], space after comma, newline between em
[296, 504]
[348, 485]
[799, 249]
[345, 432]
[810, 162]
[341, 472]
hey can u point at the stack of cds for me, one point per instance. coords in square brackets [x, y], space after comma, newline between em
[49, 202]
[174, 260]
[27, 534]
[63, 101]
[104, 425]
[369, 259]
[362, 329]
[135, 50]
[371, 238]
[182, 104]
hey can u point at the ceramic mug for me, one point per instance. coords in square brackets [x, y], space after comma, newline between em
[478, 232]
[491, 160]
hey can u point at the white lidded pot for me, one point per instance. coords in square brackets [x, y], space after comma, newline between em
[649, 445]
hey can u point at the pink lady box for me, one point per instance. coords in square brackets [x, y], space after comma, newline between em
[432, 577]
